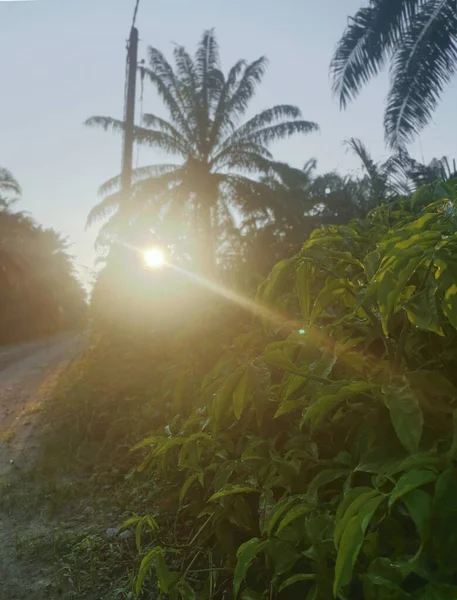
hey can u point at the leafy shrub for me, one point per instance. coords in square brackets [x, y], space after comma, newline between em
[317, 458]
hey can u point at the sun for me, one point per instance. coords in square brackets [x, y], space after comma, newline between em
[153, 258]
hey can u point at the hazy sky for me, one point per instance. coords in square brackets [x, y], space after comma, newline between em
[64, 60]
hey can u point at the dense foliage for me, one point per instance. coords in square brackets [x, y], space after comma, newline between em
[39, 292]
[317, 457]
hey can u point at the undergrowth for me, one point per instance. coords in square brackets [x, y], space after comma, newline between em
[310, 453]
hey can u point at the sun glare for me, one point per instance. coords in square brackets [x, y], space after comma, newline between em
[153, 258]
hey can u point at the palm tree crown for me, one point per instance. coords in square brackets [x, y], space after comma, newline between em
[217, 152]
[419, 38]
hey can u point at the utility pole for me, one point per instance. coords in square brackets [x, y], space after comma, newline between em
[129, 114]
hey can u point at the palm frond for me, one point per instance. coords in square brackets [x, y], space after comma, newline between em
[423, 63]
[222, 118]
[368, 40]
[8, 183]
[162, 76]
[106, 207]
[309, 166]
[238, 103]
[105, 123]
[280, 131]
[138, 174]
[228, 154]
[264, 119]
[150, 120]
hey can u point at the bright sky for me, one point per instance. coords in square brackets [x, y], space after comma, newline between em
[64, 60]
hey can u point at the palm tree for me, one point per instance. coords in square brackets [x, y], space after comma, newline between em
[218, 153]
[419, 38]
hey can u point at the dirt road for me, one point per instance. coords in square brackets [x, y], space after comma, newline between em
[26, 374]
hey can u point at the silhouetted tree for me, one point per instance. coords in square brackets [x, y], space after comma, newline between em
[419, 39]
[218, 152]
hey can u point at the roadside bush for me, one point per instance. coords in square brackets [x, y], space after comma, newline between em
[317, 458]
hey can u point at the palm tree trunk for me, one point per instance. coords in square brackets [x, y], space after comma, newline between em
[207, 248]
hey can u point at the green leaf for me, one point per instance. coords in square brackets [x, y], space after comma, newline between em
[277, 358]
[323, 478]
[432, 383]
[186, 591]
[281, 508]
[145, 567]
[351, 504]
[185, 488]
[245, 555]
[406, 416]
[351, 542]
[391, 284]
[449, 304]
[422, 310]
[230, 490]
[241, 395]
[295, 513]
[410, 481]
[162, 572]
[446, 277]
[277, 279]
[266, 506]
[295, 579]
[328, 295]
[302, 282]
[224, 393]
[418, 504]
[436, 591]
[329, 397]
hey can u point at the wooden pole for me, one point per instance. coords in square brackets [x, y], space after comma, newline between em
[129, 113]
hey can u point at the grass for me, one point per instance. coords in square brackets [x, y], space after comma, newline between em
[7, 436]
[33, 408]
[78, 487]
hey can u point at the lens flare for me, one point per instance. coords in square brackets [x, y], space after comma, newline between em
[153, 258]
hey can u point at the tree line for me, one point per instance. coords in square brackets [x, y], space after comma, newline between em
[39, 290]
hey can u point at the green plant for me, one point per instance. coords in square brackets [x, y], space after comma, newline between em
[318, 460]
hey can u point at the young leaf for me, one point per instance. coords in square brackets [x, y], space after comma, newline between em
[351, 542]
[245, 555]
[406, 416]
